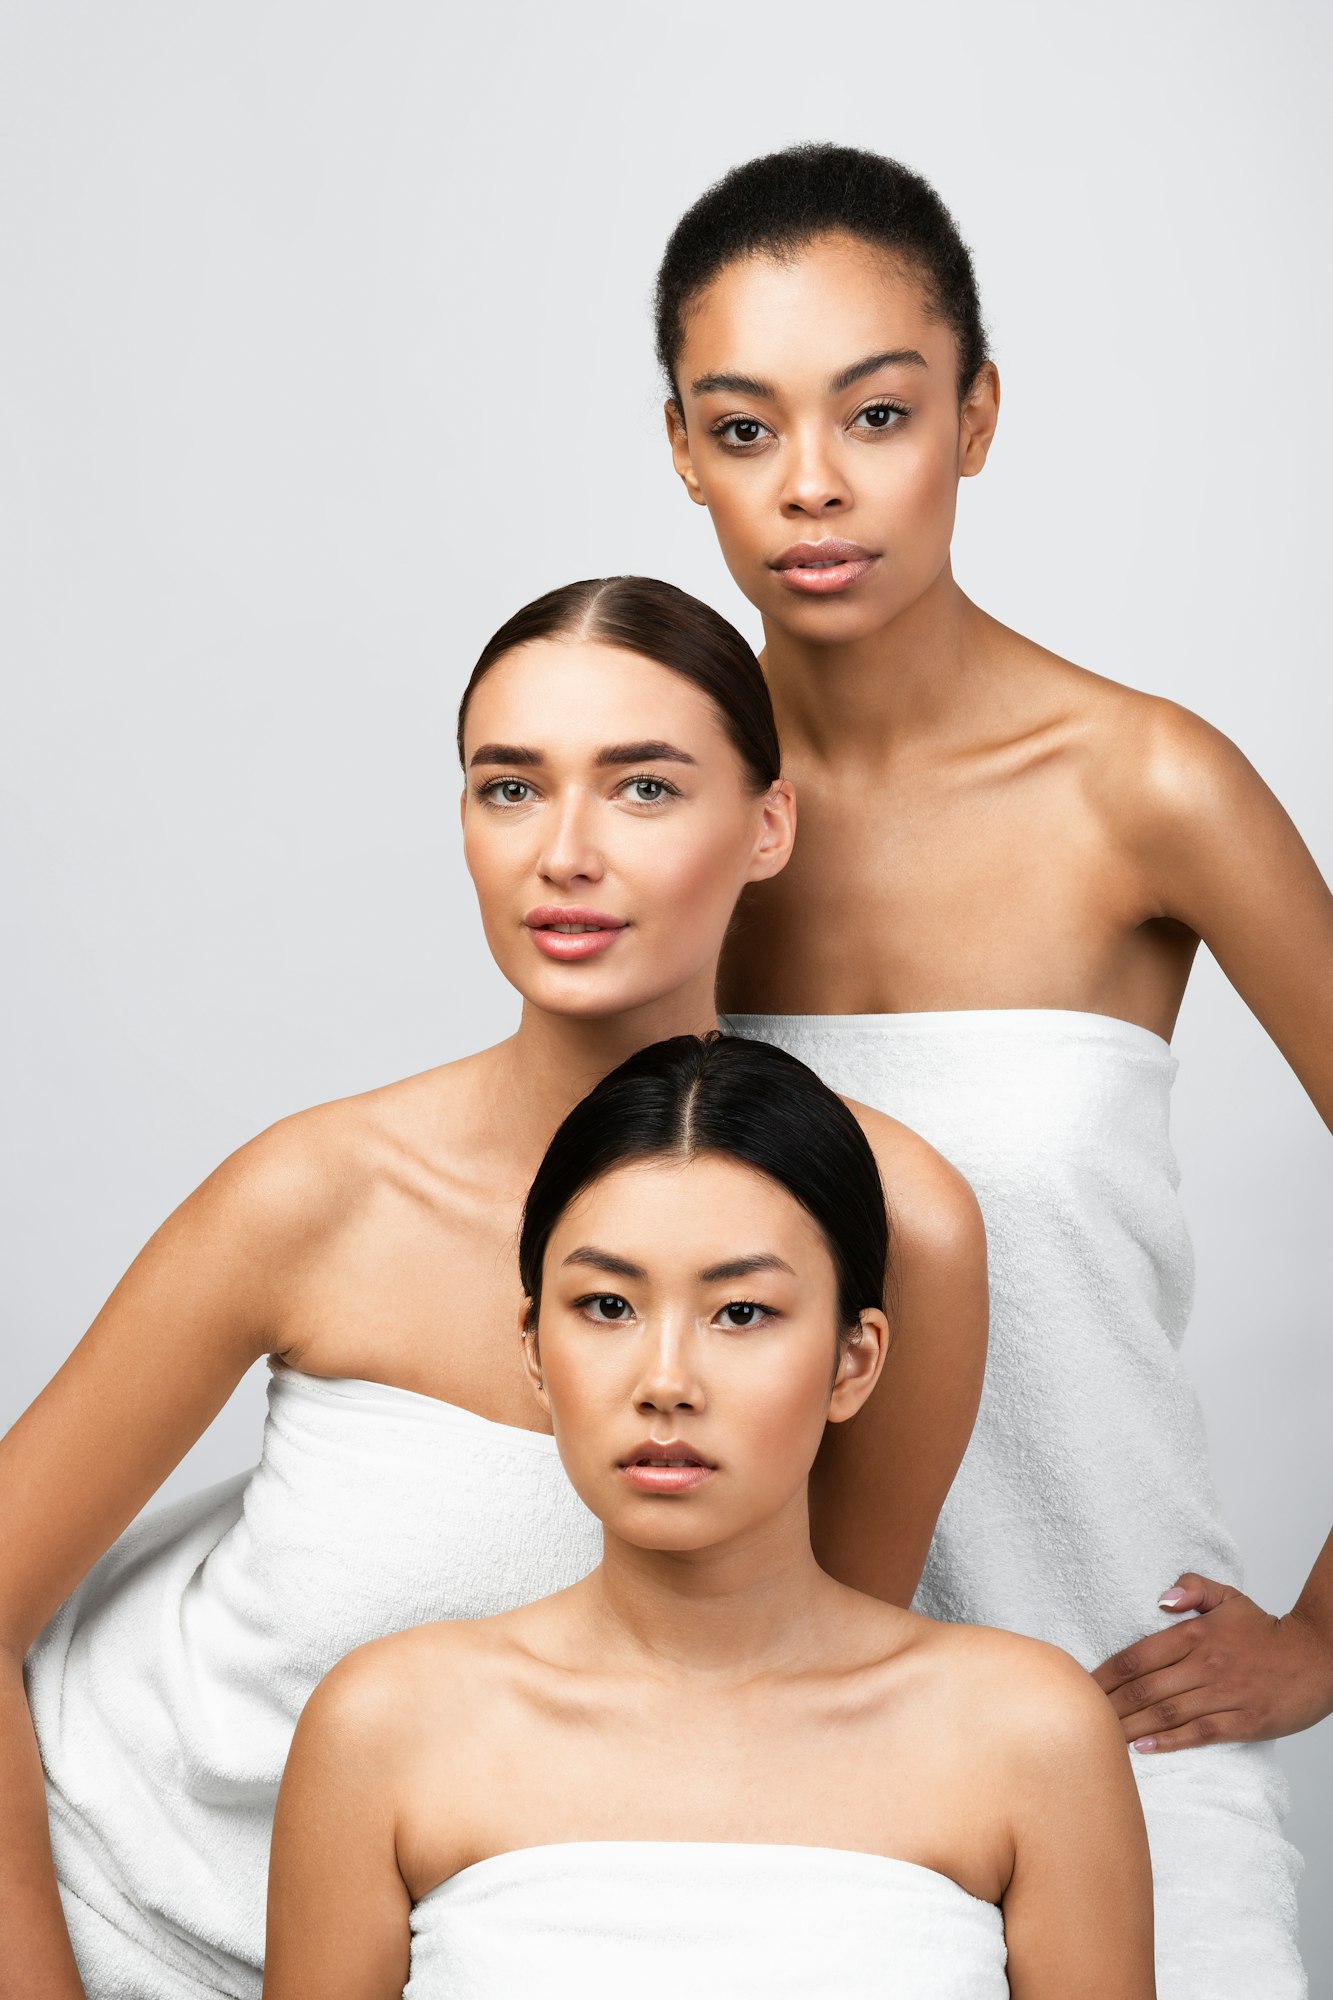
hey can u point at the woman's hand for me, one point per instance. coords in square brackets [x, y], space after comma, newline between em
[1233, 1674]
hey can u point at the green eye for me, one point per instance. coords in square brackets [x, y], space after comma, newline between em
[506, 792]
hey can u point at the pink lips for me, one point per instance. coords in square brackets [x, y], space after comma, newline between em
[818, 569]
[669, 1467]
[571, 931]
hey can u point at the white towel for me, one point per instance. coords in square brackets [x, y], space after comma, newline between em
[1086, 1488]
[600, 1920]
[166, 1690]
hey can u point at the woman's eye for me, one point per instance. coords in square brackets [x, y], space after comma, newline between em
[647, 791]
[880, 416]
[739, 430]
[608, 1307]
[507, 792]
[741, 1313]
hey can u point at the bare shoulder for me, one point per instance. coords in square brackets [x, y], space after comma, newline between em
[1140, 755]
[1163, 763]
[386, 1697]
[1037, 1705]
[302, 1177]
[931, 1205]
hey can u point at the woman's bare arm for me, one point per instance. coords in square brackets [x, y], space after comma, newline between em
[339, 1911]
[1078, 1907]
[1219, 854]
[882, 1477]
[198, 1306]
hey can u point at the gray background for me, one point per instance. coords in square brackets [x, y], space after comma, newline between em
[325, 345]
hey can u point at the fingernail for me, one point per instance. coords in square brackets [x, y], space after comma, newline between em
[1169, 1599]
[1144, 1743]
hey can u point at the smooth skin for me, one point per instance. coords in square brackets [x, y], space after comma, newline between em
[374, 1237]
[994, 826]
[659, 1698]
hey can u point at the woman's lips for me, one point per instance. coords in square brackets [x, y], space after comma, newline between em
[818, 569]
[572, 931]
[666, 1468]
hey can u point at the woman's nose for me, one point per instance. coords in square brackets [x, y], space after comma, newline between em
[669, 1379]
[814, 483]
[570, 852]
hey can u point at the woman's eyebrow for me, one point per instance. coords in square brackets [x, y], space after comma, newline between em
[893, 357]
[749, 385]
[651, 752]
[743, 1267]
[604, 1260]
[504, 753]
[733, 385]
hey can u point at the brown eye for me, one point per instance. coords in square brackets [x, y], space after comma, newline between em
[880, 416]
[738, 432]
[605, 1308]
[742, 1313]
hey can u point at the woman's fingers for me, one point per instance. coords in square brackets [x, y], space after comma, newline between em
[1160, 1650]
[1147, 1695]
[1223, 1726]
[1192, 1592]
[1171, 1711]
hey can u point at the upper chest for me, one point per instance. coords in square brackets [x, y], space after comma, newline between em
[818, 1774]
[419, 1288]
[991, 883]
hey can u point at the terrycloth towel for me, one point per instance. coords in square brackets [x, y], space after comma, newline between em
[1086, 1488]
[166, 1690]
[599, 1920]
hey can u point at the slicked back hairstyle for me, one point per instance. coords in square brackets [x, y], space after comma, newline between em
[663, 624]
[776, 205]
[732, 1098]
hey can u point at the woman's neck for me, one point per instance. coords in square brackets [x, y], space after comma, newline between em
[553, 1060]
[913, 680]
[753, 1606]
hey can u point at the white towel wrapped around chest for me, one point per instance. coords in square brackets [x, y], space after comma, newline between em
[1086, 1488]
[166, 1690]
[602, 1920]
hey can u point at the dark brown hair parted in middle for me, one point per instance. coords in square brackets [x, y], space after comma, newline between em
[665, 625]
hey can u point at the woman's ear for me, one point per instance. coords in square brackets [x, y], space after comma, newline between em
[977, 418]
[777, 832]
[859, 1364]
[532, 1359]
[680, 450]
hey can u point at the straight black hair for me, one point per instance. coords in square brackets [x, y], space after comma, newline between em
[663, 624]
[740, 1099]
[777, 204]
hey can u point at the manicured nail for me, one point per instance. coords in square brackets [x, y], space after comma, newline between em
[1144, 1743]
[1169, 1599]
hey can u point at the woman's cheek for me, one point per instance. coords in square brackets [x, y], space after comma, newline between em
[781, 1426]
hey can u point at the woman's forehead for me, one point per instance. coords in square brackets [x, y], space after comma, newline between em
[575, 691]
[702, 1205]
[821, 308]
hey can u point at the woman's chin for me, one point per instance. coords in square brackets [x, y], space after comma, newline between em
[592, 993]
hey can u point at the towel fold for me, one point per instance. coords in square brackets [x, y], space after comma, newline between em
[165, 1691]
[1086, 1489]
[597, 1920]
